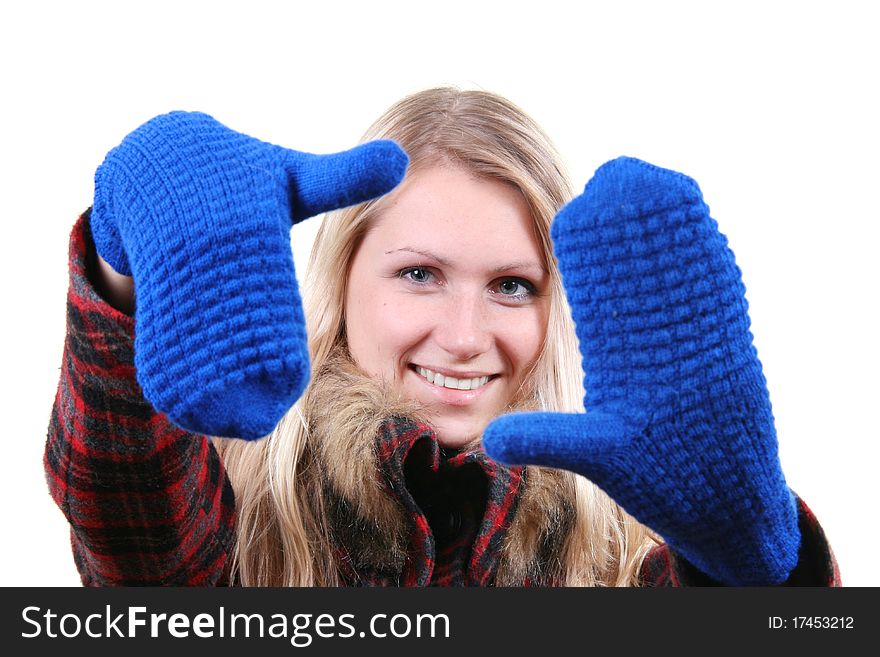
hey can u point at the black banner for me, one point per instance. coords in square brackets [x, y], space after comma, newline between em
[434, 621]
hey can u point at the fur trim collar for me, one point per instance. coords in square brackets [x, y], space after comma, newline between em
[383, 473]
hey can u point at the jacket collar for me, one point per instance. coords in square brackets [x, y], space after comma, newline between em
[403, 511]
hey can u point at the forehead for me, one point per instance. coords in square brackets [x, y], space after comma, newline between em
[449, 210]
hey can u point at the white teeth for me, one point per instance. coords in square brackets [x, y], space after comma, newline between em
[428, 374]
[451, 381]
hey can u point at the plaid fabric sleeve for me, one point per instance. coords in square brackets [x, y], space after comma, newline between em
[816, 563]
[148, 503]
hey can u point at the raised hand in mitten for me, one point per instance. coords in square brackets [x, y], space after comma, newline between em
[678, 427]
[200, 217]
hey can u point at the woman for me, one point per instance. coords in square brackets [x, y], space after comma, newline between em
[430, 311]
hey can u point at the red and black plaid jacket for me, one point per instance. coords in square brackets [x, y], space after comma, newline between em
[149, 503]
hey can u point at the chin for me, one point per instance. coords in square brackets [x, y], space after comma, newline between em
[456, 435]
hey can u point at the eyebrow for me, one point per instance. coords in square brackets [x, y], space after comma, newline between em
[427, 254]
[518, 264]
[521, 264]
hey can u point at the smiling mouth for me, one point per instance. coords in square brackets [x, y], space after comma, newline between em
[451, 382]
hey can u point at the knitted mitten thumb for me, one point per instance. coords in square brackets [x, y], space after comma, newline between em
[200, 216]
[678, 426]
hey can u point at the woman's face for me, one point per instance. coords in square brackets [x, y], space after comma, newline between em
[448, 298]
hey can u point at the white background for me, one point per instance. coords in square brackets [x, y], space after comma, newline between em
[771, 106]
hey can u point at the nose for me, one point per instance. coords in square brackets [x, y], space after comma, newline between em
[464, 330]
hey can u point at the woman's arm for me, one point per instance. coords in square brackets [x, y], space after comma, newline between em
[147, 502]
[678, 430]
[117, 290]
[199, 215]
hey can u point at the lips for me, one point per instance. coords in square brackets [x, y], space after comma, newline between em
[461, 382]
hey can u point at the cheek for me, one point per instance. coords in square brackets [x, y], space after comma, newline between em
[382, 327]
[360, 326]
[522, 340]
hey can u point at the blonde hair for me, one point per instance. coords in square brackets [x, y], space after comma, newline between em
[282, 539]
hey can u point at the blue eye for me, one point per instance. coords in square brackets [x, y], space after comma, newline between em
[515, 289]
[416, 274]
[510, 287]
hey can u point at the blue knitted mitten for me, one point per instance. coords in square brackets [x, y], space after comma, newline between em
[200, 216]
[678, 428]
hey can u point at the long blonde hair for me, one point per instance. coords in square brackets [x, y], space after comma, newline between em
[282, 539]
